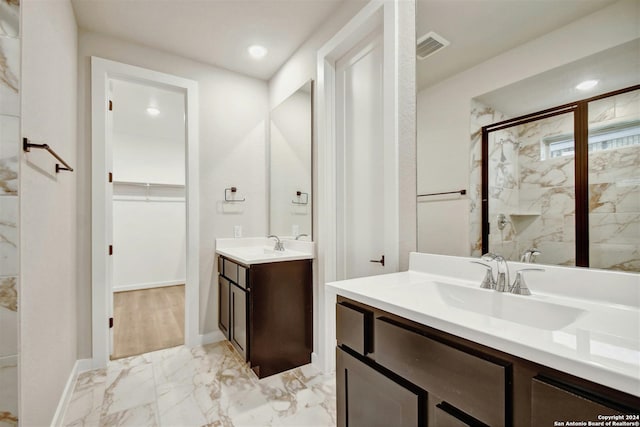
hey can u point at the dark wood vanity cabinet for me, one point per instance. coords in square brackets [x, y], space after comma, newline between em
[453, 381]
[266, 312]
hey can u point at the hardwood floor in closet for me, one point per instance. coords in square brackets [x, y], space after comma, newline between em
[147, 320]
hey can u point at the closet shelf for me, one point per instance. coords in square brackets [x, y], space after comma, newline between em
[149, 184]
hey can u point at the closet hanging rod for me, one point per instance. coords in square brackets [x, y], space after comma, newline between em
[461, 192]
[27, 146]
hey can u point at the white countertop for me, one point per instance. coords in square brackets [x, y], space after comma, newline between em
[260, 250]
[591, 339]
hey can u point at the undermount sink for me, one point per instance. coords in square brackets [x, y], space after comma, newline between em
[519, 309]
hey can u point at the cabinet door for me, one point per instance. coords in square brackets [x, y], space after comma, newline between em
[239, 320]
[367, 398]
[550, 403]
[223, 305]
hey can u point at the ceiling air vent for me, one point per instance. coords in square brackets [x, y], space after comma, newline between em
[429, 44]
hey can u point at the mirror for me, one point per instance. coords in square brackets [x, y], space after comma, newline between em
[472, 79]
[537, 197]
[290, 197]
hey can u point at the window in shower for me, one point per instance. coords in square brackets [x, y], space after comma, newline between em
[610, 137]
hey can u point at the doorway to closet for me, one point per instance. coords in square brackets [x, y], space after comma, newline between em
[146, 127]
[163, 187]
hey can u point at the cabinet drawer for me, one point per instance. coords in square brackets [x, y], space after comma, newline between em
[353, 328]
[242, 277]
[230, 270]
[476, 386]
[551, 403]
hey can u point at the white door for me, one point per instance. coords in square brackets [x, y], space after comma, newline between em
[360, 161]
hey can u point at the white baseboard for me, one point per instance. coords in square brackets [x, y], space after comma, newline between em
[211, 337]
[138, 286]
[317, 362]
[84, 365]
[65, 398]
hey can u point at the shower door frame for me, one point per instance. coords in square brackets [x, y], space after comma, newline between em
[580, 110]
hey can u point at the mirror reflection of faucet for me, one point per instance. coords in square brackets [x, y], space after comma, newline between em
[529, 256]
[502, 221]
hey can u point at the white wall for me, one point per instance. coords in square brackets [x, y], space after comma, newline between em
[149, 243]
[233, 109]
[140, 158]
[444, 162]
[48, 319]
[302, 65]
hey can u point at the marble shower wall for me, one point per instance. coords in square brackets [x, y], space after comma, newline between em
[9, 151]
[546, 215]
[614, 190]
[503, 191]
[481, 115]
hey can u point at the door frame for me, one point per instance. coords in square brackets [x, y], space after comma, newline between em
[102, 70]
[396, 19]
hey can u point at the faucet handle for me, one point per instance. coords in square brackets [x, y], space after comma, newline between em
[488, 282]
[520, 286]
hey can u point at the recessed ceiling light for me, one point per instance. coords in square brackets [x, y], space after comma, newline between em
[153, 111]
[257, 51]
[587, 84]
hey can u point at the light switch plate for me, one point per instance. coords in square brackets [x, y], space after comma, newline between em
[237, 231]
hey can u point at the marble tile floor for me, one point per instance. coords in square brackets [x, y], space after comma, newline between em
[204, 386]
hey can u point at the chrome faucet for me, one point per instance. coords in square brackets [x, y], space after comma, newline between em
[301, 235]
[520, 286]
[529, 256]
[502, 279]
[278, 246]
[502, 283]
[488, 282]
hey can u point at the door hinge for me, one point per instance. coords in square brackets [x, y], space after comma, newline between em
[110, 249]
[110, 322]
[110, 105]
[110, 176]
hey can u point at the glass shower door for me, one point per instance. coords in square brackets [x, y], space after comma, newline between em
[531, 190]
[614, 182]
